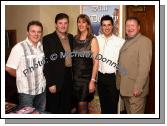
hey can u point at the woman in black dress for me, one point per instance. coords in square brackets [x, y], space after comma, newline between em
[85, 65]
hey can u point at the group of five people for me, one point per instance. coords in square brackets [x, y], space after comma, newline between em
[72, 67]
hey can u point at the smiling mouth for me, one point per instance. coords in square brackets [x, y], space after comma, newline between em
[36, 38]
[130, 31]
[107, 31]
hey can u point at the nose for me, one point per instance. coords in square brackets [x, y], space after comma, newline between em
[63, 25]
[36, 33]
[79, 24]
[107, 27]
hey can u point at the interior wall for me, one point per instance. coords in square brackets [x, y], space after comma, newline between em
[18, 16]
[48, 13]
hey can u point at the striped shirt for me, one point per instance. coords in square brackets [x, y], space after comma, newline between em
[28, 62]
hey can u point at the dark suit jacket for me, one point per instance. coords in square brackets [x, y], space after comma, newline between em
[54, 65]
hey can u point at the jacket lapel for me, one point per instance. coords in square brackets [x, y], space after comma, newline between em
[70, 39]
[58, 41]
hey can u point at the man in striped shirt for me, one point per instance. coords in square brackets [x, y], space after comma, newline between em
[25, 62]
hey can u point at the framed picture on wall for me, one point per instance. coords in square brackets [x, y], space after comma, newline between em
[95, 12]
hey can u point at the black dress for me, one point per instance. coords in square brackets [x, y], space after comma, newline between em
[82, 69]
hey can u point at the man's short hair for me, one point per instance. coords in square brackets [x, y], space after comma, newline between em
[38, 23]
[61, 16]
[133, 18]
[106, 17]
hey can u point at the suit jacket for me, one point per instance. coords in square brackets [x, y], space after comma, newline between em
[134, 65]
[54, 64]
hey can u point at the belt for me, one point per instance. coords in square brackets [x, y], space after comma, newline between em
[68, 68]
[108, 74]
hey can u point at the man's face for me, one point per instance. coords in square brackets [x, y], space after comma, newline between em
[34, 34]
[62, 25]
[106, 28]
[132, 28]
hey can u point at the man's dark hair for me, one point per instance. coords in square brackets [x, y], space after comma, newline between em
[38, 23]
[106, 17]
[133, 18]
[61, 16]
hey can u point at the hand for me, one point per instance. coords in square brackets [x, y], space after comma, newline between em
[136, 92]
[52, 89]
[91, 86]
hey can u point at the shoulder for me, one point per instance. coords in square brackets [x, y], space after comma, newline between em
[70, 35]
[94, 38]
[17, 50]
[145, 38]
[118, 39]
[145, 42]
[99, 36]
[18, 46]
[48, 36]
[94, 41]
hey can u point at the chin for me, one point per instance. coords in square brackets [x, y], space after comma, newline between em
[62, 31]
[36, 41]
[131, 35]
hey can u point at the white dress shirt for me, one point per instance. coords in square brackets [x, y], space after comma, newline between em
[109, 52]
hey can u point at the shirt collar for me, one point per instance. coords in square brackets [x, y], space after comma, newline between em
[30, 43]
[60, 36]
[102, 35]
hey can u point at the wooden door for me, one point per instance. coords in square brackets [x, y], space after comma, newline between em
[146, 15]
[10, 41]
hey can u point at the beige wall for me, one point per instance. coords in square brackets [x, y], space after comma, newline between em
[48, 13]
[18, 16]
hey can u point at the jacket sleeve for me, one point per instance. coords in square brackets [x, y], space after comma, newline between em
[48, 66]
[144, 62]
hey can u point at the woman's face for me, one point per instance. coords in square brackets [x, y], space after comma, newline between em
[82, 25]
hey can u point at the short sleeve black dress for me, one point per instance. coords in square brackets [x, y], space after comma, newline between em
[82, 69]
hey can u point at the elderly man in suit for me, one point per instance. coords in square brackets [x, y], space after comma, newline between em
[135, 57]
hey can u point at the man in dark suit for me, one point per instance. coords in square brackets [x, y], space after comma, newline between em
[57, 68]
[135, 57]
